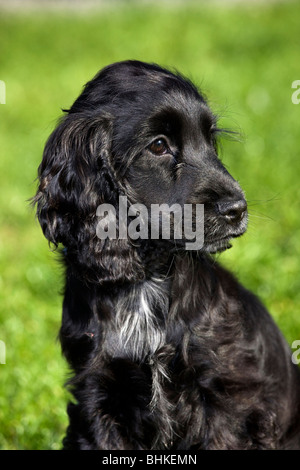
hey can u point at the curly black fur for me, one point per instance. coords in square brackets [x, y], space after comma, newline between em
[168, 350]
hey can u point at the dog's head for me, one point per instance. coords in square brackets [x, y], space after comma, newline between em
[146, 135]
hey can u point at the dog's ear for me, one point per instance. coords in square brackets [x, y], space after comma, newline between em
[75, 177]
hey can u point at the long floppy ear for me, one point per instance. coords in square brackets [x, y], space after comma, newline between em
[76, 176]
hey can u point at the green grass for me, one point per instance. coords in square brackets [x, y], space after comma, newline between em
[245, 59]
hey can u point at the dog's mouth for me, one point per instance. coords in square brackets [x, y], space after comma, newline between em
[218, 235]
[221, 244]
[217, 246]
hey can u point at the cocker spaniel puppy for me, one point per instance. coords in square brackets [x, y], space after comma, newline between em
[168, 350]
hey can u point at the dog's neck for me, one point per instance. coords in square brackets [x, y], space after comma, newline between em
[157, 257]
[138, 322]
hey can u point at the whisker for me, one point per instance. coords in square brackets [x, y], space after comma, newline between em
[261, 216]
[255, 202]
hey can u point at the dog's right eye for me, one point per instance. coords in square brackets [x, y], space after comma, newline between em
[159, 147]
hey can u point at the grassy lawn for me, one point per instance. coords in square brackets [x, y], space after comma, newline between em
[245, 59]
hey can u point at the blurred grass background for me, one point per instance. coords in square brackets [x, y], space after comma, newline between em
[245, 57]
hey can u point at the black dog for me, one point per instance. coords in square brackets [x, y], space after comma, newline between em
[168, 350]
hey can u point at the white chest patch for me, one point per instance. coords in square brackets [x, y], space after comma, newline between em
[140, 319]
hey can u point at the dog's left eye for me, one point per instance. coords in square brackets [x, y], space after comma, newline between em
[159, 147]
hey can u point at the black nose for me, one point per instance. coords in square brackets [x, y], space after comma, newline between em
[232, 211]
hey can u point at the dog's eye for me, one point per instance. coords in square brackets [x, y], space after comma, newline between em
[159, 147]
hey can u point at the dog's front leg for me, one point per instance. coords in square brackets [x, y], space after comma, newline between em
[99, 432]
[112, 410]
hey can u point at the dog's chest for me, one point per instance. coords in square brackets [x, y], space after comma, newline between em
[139, 321]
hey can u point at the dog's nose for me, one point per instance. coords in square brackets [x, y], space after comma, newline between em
[232, 211]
